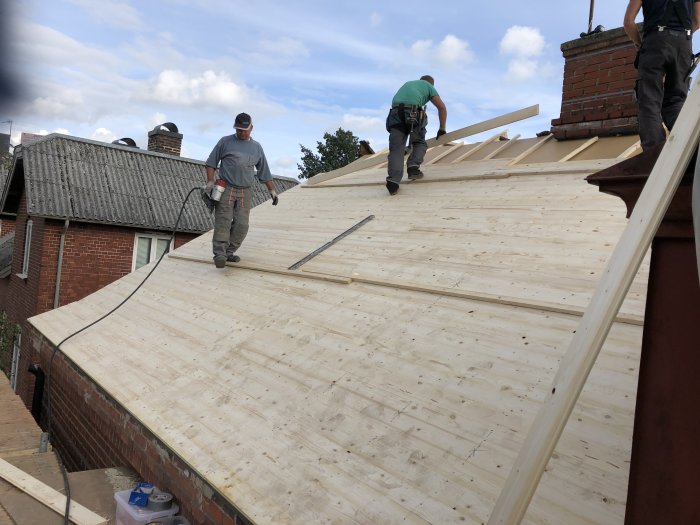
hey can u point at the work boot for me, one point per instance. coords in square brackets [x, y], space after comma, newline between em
[392, 187]
[220, 261]
[414, 173]
[233, 258]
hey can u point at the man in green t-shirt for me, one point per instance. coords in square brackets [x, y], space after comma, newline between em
[407, 119]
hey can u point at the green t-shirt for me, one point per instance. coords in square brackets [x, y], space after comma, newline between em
[415, 93]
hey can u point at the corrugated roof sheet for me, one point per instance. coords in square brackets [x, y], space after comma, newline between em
[70, 177]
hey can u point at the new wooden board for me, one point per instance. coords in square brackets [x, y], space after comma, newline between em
[474, 129]
[48, 496]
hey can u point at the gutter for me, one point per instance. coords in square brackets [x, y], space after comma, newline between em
[61, 247]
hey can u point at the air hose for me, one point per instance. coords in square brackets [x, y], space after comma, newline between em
[66, 520]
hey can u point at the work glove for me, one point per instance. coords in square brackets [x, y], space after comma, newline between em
[207, 200]
[209, 186]
[440, 133]
[275, 199]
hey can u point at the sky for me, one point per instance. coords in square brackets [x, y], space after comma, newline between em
[109, 69]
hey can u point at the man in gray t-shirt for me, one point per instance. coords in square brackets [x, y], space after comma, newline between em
[239, 159]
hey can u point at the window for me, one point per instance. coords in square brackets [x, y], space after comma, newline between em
[148, 248]
[15, 362]
[27, 249]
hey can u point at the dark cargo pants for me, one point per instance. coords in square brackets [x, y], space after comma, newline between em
[398, 135]
[231, 220]
[662, 86]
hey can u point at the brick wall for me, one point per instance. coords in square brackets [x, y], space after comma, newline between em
[7, 226]
[21, 294]
[598, 88]
[91, 430]
[94, 256]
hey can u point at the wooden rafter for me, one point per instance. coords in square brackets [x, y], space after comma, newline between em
[537, 145]
[632, 150]
[578, 150]
[502, 147]
[474, 129]
[480, 146]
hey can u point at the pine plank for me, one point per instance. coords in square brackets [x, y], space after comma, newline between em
[48, 496]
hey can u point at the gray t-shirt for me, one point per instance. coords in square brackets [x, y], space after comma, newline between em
[239, 161]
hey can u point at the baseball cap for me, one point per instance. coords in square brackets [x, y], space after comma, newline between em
[243, 121]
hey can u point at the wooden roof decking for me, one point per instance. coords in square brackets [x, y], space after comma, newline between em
[393, 377]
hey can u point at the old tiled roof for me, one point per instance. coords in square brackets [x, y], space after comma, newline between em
[85, 180]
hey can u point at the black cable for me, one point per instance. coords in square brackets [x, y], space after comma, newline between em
[66, 487]
[55, 349]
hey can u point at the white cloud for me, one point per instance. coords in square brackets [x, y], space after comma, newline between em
[47, 47]
[217, 89]
[522, 69]
[451, 51]
[522, 41]
[103, 135]
[361, 125]
[525, 45]
[422, 48]
[62, 104]
[375, 19]
[156, 119]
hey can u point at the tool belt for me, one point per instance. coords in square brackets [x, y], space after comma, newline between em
[411, 116]
[673, 32]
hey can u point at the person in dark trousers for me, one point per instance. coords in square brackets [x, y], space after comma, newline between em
[407, 119]
[239, 159]
[664, 59]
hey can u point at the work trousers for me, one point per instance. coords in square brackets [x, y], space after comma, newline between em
[398, 135]
[662, 86]
[231, 216]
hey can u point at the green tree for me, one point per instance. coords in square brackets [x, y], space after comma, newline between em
[8, 331]
[337, 150]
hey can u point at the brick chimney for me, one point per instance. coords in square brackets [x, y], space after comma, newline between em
[165, 138]
[598, 96]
